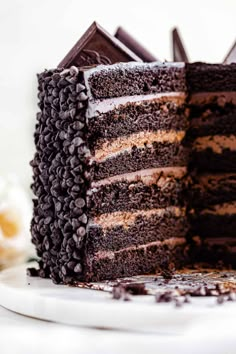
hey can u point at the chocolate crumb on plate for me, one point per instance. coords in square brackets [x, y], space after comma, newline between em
[32, 272]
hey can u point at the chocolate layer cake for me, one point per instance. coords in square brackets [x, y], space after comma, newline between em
[212, 132]
[116, 148]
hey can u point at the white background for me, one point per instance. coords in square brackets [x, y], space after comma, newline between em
[36, 34]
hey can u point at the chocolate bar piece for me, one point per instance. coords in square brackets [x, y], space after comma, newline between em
[97, 46]
[133, 45]
[231, 56]
[179, 53]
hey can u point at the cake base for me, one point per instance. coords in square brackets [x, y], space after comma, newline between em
[40, 298]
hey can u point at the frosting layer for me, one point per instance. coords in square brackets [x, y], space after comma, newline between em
[148, 176]
[128, 218]
[216, 143]
[171, 242]
[220, 98]
[96, 107]
[141, 139]
[221, 209]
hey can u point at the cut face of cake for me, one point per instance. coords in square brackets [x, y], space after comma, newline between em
[212, 131]
[110, 171]
[137, 123]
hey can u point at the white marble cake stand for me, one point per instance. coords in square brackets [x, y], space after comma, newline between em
[42, 299]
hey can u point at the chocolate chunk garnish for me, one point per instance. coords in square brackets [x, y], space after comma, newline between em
[97, 46]
[179, 53]
[134, 45]
[231, 56]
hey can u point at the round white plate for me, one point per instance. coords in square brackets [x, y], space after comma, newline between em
[42, 299]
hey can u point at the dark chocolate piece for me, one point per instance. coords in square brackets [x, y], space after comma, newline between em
[231, 56]
[179, 53]
[134, 45]
[97, 46]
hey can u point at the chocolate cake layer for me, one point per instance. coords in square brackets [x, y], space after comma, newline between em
[203, 77]
[215, 251]
[209, 189]
[127, 79]
[157, 155]
[208, 160]
[216, 221]
[136, 260]
[146, 189]
[210, 225]
[156, 113]
[118, 230]
[214, 117]
[213, 124]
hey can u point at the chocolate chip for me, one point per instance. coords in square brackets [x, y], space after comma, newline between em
[71, 265]
[47, 220]
[83, 218]
[74, 70]
[81, 231]
[78, 125]
[78, 268]
[82, 96]
[75, 238]
[77, 141]
[76, 255]
[58, 206]
[72, 112]
[64, 270]
[80, 202]
[80, 87]
[42, 273]
[71, 149]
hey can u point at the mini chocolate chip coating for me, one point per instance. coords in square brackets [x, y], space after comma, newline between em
[60, 175]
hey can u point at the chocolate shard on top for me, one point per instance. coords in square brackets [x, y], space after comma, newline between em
[97, 46]
[134, 45]
[231, 56]
[179, 53]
